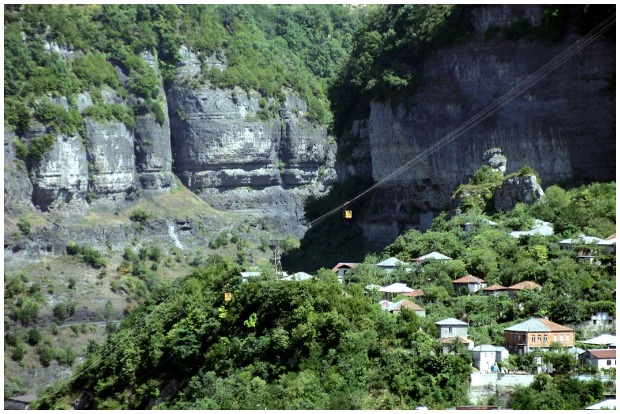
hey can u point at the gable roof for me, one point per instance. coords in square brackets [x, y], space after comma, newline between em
[454, 338]
[451, 321]
[581, 239]
[469, 279]
[432, 255]
[538, 325]
[540, 227]
[391, 262]
[488, 348]
[406, 304]
[603, 339]
[396, 288]
[526, 284]
[345, 265]
[609, 241]
[603, 353]
[415, 293]
[495, 287]
[298, 276]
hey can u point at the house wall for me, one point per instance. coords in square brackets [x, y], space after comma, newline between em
[516, 340]
[483, 360]
[451, 331]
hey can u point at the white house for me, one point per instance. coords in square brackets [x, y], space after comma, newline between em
[486, 356]
[451, 327]
[469, 283]
[600, 358]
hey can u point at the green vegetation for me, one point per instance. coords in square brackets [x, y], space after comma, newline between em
[89, 255]
[277, 344]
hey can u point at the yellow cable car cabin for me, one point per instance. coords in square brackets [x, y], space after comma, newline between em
[227, 296]
[348, 214]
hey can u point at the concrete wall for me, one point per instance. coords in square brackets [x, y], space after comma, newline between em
[483, 386]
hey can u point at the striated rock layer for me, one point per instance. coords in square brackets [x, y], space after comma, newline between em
[563, 127]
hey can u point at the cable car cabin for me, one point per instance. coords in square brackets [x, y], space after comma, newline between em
[348, 214]
[227, 296]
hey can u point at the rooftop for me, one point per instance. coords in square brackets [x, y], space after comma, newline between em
[391, 262]
[526, 284]
[453, 338]
[603, 353]
[451, 321]
[432, 255]
[415, 293]
[495, 287]
[469, 279]
[344, 265]
[538, 325]
[396, 288]
[404, 304]
[581, 239]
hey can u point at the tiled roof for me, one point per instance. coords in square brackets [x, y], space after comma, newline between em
[495, 287]
[526, 284]
[469, 279]
[339, 265]
[603, 353]
[538, 325]
[415, 293]
[453, 338]
[406, 304]
[451, 321]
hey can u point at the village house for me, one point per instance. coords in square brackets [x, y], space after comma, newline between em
[583, 246]
[299, 276]
[418, 294]
[452, 330]
[608, 245]
[390, 264]
[485, 357]
[495, 290]
[341, 269]
[468, 284]
[526, 284]
[394, 289]
[540, 228]
[599, 358]
[395, 308]
[600, 318]
[432, 256]
[537, 334]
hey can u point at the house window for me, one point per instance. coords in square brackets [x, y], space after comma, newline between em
[609, 362]
[555, 338]
[561, 337]
[539, 338]
[594, 322]
[567, 337]
[545, 338]
[450, 330]
[533, 338]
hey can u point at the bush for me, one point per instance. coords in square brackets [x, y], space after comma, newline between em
[140, 216]
[46, 354]
[24, 226]
[27, 310]
[72, 282]
[34, 336]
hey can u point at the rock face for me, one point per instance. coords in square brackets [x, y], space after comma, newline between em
[111, 153]
[519, 189]
[61, 177]
[17, 185]
[563, 127]
[235, 159]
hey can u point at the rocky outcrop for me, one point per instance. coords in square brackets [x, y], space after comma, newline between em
[17, 185]
[518, 189]
[563, 127]
[238, 152]
[61, 177]
[110, 149]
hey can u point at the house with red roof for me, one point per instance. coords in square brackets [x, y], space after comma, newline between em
[495, 290]
[537, 334]
[468, 284]
[599, 358]
[342, 268]
[406, 304]
[526, 284]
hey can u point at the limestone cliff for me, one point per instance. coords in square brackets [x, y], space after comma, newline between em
[563, 127]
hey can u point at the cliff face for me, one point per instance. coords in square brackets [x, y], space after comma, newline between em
[563, 127]
[216, 140]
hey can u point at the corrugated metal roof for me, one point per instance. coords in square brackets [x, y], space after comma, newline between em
[538, 325]
[433, 255]
[391, 262]
[396, 288]
[451, 321]
[581, 239]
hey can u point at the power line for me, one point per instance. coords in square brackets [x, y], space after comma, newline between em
[502, 101]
